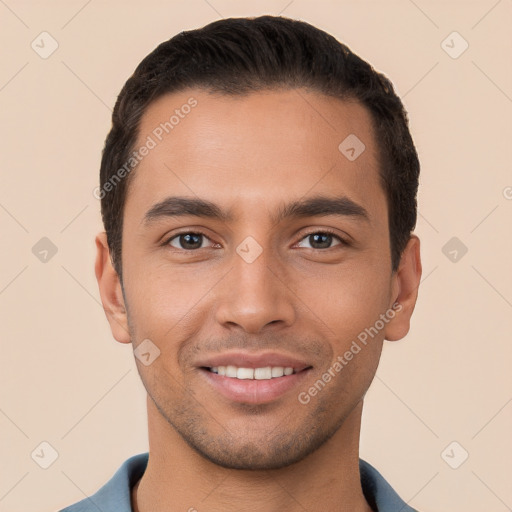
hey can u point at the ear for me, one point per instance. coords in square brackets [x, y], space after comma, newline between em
[406, 281]
[110, 291]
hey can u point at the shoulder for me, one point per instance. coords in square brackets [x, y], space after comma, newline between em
[114, 496]
[378, 492]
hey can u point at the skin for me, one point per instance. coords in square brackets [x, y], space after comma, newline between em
[251, 155]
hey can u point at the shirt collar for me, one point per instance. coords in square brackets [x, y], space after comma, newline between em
[115, 495]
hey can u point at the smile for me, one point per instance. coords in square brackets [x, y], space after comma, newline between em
[263, 373]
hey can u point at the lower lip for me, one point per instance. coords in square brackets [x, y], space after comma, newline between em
[252, 391]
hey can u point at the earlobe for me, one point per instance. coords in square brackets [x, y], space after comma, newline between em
[405, 290]
[110, 291]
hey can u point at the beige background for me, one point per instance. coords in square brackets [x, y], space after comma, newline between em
[64, 380]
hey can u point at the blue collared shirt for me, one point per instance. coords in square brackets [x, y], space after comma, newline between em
[115, 495]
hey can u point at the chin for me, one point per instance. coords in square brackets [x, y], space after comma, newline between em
[271, 451]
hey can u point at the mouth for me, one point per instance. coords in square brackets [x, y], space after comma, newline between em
[255, 379]
[261, 373]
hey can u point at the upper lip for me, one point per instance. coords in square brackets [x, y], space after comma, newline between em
[253, 360]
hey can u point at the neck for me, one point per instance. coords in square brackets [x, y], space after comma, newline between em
[177, 478]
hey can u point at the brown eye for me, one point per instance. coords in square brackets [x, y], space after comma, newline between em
[187, 241]
[321, 240]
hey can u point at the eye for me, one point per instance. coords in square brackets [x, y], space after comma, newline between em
[188, 241]
[192, 240]
[322, 240]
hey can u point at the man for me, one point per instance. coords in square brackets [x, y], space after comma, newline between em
[258, 191]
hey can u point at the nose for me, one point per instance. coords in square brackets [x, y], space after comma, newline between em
[254, 296]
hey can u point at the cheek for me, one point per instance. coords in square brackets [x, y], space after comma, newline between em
[351, 311]
[348, 299]
[349, 303]
[166, 303]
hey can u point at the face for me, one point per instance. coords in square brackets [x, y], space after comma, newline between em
[255, 256]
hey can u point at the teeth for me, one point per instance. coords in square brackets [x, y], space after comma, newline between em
[265, 373]
[277, 371]
[244, 373]
[231, 371]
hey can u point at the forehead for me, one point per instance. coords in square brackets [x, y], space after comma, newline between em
[243, 151]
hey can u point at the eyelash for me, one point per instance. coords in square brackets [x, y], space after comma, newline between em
[324, 231]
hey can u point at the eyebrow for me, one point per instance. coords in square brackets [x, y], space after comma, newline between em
[317, 206]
